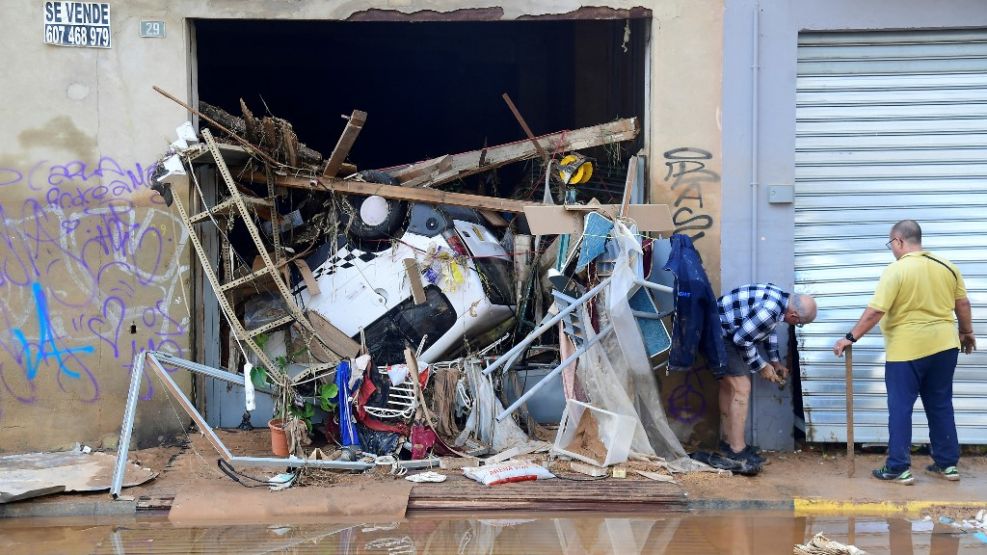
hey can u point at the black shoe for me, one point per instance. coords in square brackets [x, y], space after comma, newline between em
[748, 453]
[724, 446]
[884, 473]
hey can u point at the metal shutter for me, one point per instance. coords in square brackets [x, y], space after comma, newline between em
[889, 125]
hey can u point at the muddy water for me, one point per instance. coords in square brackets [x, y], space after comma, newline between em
[737, 533]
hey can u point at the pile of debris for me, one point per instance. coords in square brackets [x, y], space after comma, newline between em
[392, 321]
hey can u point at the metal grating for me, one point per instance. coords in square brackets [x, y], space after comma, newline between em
[889, 125]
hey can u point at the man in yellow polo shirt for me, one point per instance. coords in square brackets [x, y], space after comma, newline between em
[917, 296]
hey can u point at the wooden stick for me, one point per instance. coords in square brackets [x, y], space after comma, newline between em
[629, 184]
[524, 125]
[219, 126]
[345, 143]
[848, 353]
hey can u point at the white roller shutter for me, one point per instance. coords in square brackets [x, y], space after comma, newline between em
[889, 125]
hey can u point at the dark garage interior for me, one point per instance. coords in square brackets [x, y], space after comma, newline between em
[431, 88]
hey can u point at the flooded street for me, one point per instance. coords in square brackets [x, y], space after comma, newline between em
[737, 533]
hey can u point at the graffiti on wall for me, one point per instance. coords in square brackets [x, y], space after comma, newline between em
[90, 274]
[686, 176]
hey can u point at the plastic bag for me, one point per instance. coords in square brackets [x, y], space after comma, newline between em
[507, 472]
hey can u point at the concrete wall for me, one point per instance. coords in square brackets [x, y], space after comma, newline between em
[685, 168]
[780, 23]
[90, 264]
[94, 268]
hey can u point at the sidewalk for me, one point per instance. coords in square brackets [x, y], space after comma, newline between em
[807, 483]
[810, 482]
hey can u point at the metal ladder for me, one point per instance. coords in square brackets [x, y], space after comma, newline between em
[236, 206]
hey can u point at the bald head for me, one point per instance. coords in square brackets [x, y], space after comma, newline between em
[909, 231]
[805, 307]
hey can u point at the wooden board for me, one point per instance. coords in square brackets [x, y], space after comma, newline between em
[484, 159]
[336, 340]
[552, 220]
[429, 196]
[461, 493]
[345, 143]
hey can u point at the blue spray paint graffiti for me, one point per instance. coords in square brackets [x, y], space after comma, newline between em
[47, 342]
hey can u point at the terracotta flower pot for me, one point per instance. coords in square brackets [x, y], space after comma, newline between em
[279, 440]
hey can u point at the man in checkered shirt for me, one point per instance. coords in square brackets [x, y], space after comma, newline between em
[748, 316]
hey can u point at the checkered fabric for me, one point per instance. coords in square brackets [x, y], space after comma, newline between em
[748, 316]
[343, 258]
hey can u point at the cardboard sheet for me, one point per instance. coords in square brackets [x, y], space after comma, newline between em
[36, 474]
[552, 220]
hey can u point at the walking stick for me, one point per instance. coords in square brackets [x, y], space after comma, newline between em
[848, 352]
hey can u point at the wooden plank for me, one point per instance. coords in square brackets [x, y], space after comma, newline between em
[415, 279]
[418, 175]
[460, 493]
[310, 282]
[484, 159]
[345, 143]
[337, 341]
[494, 218]
[429, 196]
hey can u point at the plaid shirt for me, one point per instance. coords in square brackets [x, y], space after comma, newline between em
[748, 316]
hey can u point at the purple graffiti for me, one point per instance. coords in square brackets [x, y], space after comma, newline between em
[102, 326]
[97, 262]
[686, 403]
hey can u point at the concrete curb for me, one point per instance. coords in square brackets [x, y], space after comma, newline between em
[739, 505]
[74, 509]
[804, 506]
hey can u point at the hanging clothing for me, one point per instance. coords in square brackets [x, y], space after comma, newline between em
[696, 325]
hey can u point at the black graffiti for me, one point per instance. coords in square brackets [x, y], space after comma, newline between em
[686, 166]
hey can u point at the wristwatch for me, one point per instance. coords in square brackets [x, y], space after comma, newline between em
[849, 337]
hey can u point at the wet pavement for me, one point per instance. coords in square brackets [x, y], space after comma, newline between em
[740, 532]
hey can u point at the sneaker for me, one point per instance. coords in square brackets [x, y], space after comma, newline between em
[950, 473]
[746, 454]
[750, 453]
[724, 446]
[904, 477]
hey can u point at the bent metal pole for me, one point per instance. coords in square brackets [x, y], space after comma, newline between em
[545, 327]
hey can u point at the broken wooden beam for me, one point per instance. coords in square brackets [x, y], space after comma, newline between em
[524, 127]
[353, 127]
[425, 172]
[488, 158]
[395, 192]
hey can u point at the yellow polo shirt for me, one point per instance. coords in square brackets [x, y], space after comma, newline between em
[917, 296]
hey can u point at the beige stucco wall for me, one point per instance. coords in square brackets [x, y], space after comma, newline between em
[92, 267]
[686, 155]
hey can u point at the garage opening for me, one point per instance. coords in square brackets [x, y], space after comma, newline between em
[431, 88]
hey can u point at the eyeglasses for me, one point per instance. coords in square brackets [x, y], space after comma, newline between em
[893, 239]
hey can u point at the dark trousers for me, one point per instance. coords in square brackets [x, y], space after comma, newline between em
[931, 378]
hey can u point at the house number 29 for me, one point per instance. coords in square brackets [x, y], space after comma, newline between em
[152, 29]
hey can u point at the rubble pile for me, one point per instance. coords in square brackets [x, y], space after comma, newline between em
[393, 321]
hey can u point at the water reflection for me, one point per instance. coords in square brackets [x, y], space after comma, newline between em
[737, 533]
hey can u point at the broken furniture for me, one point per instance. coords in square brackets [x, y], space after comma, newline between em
[153, 362]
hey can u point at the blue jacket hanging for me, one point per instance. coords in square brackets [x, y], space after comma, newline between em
[696, 324]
